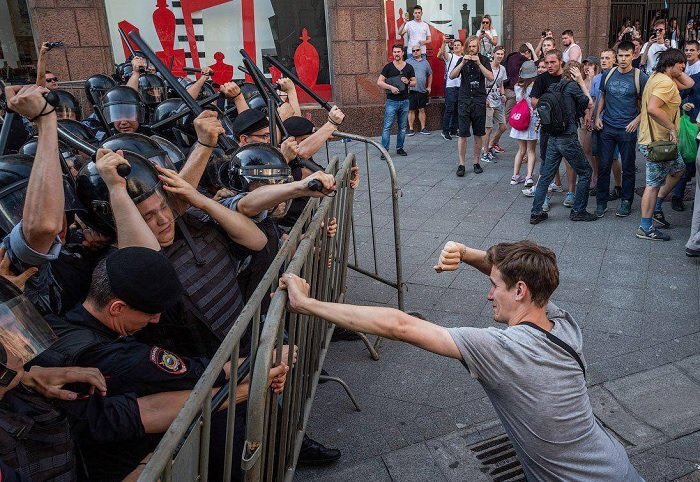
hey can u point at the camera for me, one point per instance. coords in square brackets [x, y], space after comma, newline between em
[51, 45]
[544, 33]
[449, 36]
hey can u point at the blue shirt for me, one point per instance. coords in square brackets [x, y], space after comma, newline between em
[692, 95]
[621, 98]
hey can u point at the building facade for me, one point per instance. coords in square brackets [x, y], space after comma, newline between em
[337, 46]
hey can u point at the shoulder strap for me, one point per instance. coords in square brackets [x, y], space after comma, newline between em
[560, 343]
[607, 77]
[637, 84]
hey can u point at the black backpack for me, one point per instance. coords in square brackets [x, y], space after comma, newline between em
[552, 109]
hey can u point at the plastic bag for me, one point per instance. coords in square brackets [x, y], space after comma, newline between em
[687, 145]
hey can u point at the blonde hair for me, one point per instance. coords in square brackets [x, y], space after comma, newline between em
[569, 65]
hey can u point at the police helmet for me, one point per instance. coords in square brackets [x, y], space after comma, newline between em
[257, 162]
[252, 96]
[24, 334]
[152, 89]
[96, 86]
[207, 88]
[174, 153]
[141, 145]
[14, 178]
[78, 129]
[123, 103]
[122, 72]
[69, 155]
[141, 183]
[68, 106]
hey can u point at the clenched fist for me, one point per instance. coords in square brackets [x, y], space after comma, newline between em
[450, 257]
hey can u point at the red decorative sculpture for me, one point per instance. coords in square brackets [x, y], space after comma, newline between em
[306, 60]
[223, 72]
[164, 23]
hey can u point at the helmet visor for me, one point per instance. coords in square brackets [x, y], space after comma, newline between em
[24, 333]
[128, 112]
[153, 94]
[12, 205]
[65, 112]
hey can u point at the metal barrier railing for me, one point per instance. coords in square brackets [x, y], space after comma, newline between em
[276, 425]
[372, 271]
[183, 452]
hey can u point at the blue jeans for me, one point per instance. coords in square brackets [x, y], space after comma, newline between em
[610, 138]
[449, 119]
[395, 109]
[566, 145]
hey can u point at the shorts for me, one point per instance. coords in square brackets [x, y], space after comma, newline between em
[471, 114]
[417, 100]
[495, 115]
[656, 172]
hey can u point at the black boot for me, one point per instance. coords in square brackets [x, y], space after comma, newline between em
[341, 334]
[313, 453]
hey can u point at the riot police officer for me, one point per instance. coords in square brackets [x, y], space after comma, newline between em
[124, 109]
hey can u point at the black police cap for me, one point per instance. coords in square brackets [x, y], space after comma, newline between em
[248, 121]
[299, 126]
[144, 279]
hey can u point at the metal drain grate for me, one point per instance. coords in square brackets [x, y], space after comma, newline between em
[497, 455]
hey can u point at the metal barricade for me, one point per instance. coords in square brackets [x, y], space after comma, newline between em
[276, 425]
[182, 453]
[373, 270]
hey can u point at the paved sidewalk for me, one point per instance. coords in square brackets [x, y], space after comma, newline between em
[636, 301]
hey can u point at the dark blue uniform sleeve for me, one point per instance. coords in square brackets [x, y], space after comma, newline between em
[105, 419]
[8, 474]
[131, 366]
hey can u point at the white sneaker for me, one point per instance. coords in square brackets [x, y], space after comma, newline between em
[529, 192]
[554, 188]
[529, 182]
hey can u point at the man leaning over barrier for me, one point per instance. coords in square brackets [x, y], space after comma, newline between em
[532, 375]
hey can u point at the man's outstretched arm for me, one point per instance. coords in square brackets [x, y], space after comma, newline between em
[454, 253]
[386, 322]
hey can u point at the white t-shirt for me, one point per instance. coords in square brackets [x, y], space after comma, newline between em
[566, 53]
[693, 69]
[450, 64]
[539, 393]
[499, 76]
[415, 32]
[652, 57]
[485, 45]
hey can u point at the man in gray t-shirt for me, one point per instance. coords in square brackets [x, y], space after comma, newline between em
[532, 371]
[418, 94]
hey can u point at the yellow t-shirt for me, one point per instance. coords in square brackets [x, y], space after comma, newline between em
[663, 87]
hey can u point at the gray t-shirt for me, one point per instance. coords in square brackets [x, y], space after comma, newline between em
[423, 70]
[539, 393]
[621, 97]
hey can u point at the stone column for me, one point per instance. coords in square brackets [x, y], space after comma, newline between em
[82, 26]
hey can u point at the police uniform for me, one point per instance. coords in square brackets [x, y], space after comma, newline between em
[130, 367]
[64, 272]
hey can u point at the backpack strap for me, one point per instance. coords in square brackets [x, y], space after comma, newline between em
[607, 77]
[637, 84]
[560, 343]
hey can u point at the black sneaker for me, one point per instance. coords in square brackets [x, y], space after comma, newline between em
[538, 218]
[446, 135]
[625, 209]
[401, 152]
[653, 234]
[582, 216]
[411, 133]
[600, 210]
[454, 133]
[460, 171]
[692, 253]
[677, 204]
[341, 334]
[478, 169]
[660, 219]
[314, 453]
[615, 194]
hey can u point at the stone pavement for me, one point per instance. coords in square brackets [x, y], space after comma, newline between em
[636, 301]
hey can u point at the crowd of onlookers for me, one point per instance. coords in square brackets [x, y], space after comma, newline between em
[594, 110]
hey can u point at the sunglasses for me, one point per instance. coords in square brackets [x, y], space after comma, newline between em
[52, 79]
[485, 22]
[415, 50]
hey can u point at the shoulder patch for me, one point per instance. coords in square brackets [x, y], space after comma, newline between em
[167, 361]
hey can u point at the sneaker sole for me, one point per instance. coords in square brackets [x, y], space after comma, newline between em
[641, 236]
[620, 215]
[661, 225]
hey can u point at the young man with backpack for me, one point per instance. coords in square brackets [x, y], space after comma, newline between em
[617, 119]
[560, 103]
